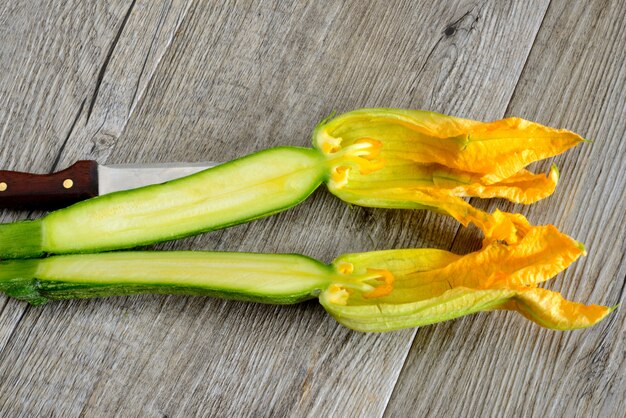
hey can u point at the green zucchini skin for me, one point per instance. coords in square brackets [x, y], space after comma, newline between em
[242, 190]
[21, 239]
[265, 278]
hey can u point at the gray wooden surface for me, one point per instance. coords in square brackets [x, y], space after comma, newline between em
[149, 81]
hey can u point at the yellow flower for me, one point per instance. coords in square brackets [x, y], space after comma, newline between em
[394, 158]
[393, 289]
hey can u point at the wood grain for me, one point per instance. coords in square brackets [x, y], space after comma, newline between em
[44, 75]
[170, 80]
[499, 364]
[53, 59]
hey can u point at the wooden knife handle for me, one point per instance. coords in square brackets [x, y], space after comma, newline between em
[49, 191]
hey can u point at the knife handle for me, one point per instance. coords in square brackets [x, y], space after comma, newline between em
[49, 191]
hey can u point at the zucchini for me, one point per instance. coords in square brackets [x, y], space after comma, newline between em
[267, 278]
[248, 188]
[390, 158]
[376, 291]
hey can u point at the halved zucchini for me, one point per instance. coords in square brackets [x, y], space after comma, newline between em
[389, 158]
[373, 292]
[232, 193]
[267, 278]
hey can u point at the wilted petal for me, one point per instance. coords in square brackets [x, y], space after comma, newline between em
[522, 187]
[549, 309]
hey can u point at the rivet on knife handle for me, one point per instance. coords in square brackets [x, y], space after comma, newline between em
[49, 191]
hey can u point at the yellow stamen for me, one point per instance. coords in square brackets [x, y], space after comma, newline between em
[337, 295]
[383, 290]
[339, 176]
[346, 268]
[330, 144]
[362, 154]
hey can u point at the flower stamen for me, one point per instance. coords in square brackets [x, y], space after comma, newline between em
[345, 268]
[367, 148]
[384, 289]
[374, 283]
[339, 176]
[363, 154]
[337, 295]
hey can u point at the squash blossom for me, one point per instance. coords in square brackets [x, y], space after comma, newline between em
[394, 158]
[395, 289]
[371, 292]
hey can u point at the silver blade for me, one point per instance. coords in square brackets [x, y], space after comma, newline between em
[113, 178]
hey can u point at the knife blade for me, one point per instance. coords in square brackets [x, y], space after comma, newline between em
[83, 180]
[117, 177]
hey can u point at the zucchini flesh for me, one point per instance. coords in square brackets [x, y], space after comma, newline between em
[235, 192]
[266, 278]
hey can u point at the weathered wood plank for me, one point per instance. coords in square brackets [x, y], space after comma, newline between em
[51, 58]
[142, 38]
[59, 103]
[499, 364]
[44, 75]
[241, 76]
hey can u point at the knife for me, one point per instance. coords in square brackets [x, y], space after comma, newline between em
[85, 179]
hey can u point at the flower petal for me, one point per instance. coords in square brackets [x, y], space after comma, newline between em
[497, 149]
[501, 148]
[380, 317]
[495, 226]
[549, 309]
[522, 187]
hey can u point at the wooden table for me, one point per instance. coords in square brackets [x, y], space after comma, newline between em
[152, 81]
